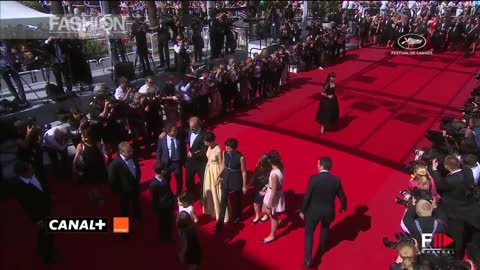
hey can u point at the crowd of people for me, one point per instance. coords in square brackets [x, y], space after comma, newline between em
[442, 196]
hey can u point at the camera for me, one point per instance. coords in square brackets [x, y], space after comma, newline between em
[401, 237]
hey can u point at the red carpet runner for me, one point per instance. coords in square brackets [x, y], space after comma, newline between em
[386, 103]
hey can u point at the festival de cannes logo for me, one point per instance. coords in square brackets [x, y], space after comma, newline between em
[412, 44]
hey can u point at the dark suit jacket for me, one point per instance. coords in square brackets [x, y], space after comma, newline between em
[162, 149]
[455, 191]
[161, 194]
[121, 179]
[198, 148]
[319, 199]
[64, 47]
[37, 204]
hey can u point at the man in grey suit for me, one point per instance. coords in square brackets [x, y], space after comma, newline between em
[319, 206]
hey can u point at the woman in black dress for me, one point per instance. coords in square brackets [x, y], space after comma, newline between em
[260, 181]
[190, 250]
[89, 164]
[328, 111]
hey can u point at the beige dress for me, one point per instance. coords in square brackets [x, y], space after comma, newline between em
[211, 190]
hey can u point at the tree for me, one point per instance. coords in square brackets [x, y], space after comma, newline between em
[56, 7]
[152, 13]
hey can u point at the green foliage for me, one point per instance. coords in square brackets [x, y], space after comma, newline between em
[95, 48]
[324, 7]
[33, 4]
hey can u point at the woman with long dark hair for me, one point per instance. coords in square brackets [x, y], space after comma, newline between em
[328, 111]
[260, 182]
[274, 201]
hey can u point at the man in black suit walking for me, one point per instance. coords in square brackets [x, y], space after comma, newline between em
[124, 176]
[196, 153]
[171, 151]
[319, 206]
[163, 201]
[463, 212]
[35, 199]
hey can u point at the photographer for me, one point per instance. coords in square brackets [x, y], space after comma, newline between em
[123, 92]
[104, 112]
[139, 31]
[419, 219]
[29, 145]
[7, 70]
[55, 143]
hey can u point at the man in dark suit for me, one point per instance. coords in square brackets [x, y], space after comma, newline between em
[35, 199]
[58, 50]
[171, 151]
[139, 31]
[319, 206]
[471, 35]
[197, 154]
[124, 176]
[462, 210]
[163, 37]
[163, 201]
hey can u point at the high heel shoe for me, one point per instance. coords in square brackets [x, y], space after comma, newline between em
[322, 130]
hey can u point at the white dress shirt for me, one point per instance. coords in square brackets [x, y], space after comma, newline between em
[145, 89]
[476, 173]
[193, 136]
[50, 141]
[34, 181]
[119, 94]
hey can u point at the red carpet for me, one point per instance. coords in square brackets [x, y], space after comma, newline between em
[387, 103]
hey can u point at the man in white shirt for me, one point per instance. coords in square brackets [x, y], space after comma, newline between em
[471, 161]
[55, 142]
[123, 92]
[148, 88]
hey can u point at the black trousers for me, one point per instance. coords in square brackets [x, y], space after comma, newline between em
[310, 226]
[144, 62]
[19, 93]
[130, 197]
[45, 247]
[236, 205]
[164, 53]
[165, 223]
[176, 168]
[60, 70]
[456, 230]
[201, 106]
[195, 167]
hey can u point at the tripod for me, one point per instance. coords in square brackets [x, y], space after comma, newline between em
[24, 82]
[149, 57]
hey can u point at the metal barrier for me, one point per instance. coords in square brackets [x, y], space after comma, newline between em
[100, 62]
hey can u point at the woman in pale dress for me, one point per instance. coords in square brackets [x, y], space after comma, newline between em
[274, 200]
[211, 188]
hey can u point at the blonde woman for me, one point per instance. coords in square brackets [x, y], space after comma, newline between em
[421, 179]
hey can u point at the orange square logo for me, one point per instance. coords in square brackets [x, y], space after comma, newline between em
[120, 224]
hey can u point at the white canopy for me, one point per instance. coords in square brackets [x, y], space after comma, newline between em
[13, 13]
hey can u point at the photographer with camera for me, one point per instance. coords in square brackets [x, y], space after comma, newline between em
[105, 116]
[419, 219]
[139, 31]
[123, 91]
[29, 145]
